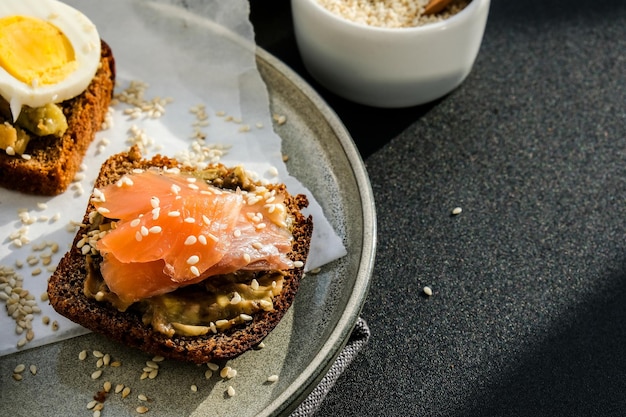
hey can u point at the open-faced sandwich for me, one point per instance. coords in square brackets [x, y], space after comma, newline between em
[190, 264]
[56, 82]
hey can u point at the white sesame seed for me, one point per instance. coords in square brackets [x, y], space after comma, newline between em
[144, 231]
[194, 388]
[189, 220]
[236, 298]
[194, 271]
[428, 291]
[298, 264]
[231, 391]
[78, 188]
[225, 371]
[456, 211]
[193, 259]
[173, 213]
[272, 378]
[96, 374]
[135, 222]
[191, 239]
[155, 229]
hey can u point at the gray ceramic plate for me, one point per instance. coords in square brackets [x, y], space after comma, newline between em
[302, 347]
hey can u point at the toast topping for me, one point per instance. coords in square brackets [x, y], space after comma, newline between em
[49, 53]
[13, 139]
[189, 255]
[32, 123]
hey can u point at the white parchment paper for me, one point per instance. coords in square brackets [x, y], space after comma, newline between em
[196, 53]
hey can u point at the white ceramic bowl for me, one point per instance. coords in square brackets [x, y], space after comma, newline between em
[388, 67]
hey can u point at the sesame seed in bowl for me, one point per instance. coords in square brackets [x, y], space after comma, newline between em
[391, 13]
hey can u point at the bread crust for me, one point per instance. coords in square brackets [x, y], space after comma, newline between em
[55, 161]
[65, 290]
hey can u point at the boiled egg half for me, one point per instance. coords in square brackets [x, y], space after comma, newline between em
[49, 52]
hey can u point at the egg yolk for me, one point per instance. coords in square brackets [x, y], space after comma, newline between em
[35, 51]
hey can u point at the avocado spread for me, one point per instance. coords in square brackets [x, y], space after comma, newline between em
[213, 305]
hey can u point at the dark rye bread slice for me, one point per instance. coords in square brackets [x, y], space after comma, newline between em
[65, 289]
[55, 161]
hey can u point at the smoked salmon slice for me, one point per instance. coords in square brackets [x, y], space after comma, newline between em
[170, 230]
[135, 281]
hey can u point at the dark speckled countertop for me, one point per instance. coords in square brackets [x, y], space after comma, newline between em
[528, 315]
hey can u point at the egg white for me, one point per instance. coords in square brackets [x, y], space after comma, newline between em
[81, 33]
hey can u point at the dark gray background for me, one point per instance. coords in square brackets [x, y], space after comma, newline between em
[529, 306]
